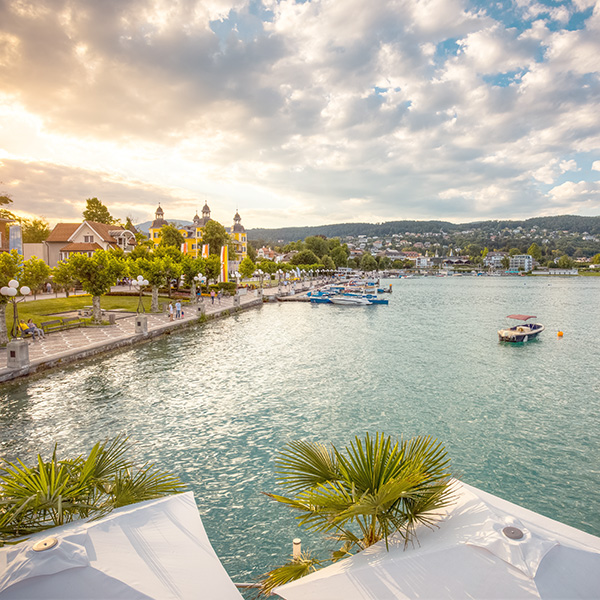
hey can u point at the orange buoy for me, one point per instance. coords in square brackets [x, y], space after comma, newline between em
[560, 334]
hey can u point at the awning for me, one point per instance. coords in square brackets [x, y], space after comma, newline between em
[521, 317]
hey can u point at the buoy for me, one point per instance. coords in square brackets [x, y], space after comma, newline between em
[560, 334]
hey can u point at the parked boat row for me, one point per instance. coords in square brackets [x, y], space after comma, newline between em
[347, 295]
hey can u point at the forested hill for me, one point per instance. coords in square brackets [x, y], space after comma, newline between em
[570, 223]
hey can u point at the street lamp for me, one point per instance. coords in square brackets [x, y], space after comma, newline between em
[139, 285]
[260, 274]
[10, 291]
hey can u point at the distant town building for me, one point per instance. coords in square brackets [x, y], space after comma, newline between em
[494, 259]
[521, 262]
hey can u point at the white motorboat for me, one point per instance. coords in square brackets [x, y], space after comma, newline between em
[349, 300]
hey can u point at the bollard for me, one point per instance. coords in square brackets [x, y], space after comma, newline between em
[17, 354]
[236, 300]
[141, 324]
[112, 319]
[201, 309]
[297, 548]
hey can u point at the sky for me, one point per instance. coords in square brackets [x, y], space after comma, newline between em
[301, 112]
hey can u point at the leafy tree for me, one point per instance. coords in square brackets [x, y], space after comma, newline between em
[268, 266]
[63, 277]
[5, 200]
[362, 493]
[171, 236]
[339, 256]
[383, 262]
[98, 213]
[247, 267]
[514, 252]
[216, 236]
[190, 268]
[596, 260]
[251, 251]
[317, 244]
[11, 264]
[97, 274]
[35, 274]
[304, 257]
[130, 226]
[327, 262]
[565, 262]
[484, 252]
[155, 271]
[535, 252]
[505, 262]
[58, 491]
[213, 268]
[368, 262]
[34, 230]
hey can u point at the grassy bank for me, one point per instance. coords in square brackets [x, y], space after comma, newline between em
[47, 308]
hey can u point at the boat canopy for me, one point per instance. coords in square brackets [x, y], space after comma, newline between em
[521, 317]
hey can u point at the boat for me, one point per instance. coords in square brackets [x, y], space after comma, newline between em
[350, 301]
[520, 333]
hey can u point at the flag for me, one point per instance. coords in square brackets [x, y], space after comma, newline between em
[224, 266]
[183, 248]
[205, 251]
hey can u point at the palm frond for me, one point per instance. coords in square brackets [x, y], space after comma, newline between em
[290, 571]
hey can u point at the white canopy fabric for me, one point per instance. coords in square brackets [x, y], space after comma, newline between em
[473, 554]
[155, 549]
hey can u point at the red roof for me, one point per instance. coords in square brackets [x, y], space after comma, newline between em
[521, 317]
[62, 232]
[82, 247]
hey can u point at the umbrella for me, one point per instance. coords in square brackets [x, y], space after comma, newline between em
[154, 549]
[485, 547]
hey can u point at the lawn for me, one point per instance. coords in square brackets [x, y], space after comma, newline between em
[45, 309]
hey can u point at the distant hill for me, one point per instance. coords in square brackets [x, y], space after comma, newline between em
[571, 223]
[145, 226]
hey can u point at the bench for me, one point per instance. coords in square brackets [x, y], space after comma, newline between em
[48, 326]
[72, 322]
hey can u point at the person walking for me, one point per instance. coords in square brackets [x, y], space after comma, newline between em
[178, 309]
[170, 311]
[220, 295]
[212, 296]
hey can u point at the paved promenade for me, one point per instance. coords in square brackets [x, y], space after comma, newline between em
[64, 347]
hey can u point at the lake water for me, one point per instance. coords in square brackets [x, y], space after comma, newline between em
[213, 404]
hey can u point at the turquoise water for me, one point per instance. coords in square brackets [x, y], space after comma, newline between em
[214, 403]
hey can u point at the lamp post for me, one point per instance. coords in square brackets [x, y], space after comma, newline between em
[260, 274]
[199, 279]
[10, 291]
[139, 284]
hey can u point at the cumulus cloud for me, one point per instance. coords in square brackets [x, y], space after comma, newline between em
[296, 110]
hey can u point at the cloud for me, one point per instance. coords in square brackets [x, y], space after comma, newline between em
[292, 111]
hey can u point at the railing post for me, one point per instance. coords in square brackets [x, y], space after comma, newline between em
[297, 551]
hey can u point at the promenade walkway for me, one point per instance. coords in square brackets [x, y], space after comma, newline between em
[64, 347]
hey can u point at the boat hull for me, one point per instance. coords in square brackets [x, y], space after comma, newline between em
[520, 333]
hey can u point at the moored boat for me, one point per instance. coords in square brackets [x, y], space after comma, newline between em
[349, 301]
[520, 333]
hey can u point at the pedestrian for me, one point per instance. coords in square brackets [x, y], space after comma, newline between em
[36, 330]
[170, 311]
[220, 295]
[48, 288]
[178, 309]
[212, 296]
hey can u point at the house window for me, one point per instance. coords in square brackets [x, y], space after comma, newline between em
[88, 239]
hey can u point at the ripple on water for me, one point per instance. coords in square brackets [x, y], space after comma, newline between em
[214, 403]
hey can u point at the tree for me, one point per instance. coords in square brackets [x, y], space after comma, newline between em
[34, 230]
[54, 492]
[98, 213]
[63, 277]
[368, 262]
[535, 252]
[514, 252]
[251, 250]
[362, 493]
[213, 268]
[505, 261]
[596, 260]
[35, 274]
[11, 264]
[247, 267]
[97, 274]
[304, 257]
[317, 244]
[565, 262]
[328, 263]
[190, 268]
[5, 200]
[154, 270]
[339, 256]
[171, 236]
[216, 236]
[384, 262]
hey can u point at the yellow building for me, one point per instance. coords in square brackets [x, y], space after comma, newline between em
[192, 234]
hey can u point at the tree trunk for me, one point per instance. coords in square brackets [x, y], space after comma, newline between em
[3, 332]
[96, 311]
[154, 303]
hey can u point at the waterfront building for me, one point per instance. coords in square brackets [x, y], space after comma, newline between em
[85, 238]
[521, 262]
[494, 259]
[192, 234]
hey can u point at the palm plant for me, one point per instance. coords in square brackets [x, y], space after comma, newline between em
[362, 494]
[54, 492]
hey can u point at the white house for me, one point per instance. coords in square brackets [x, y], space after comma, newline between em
[521, 262]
